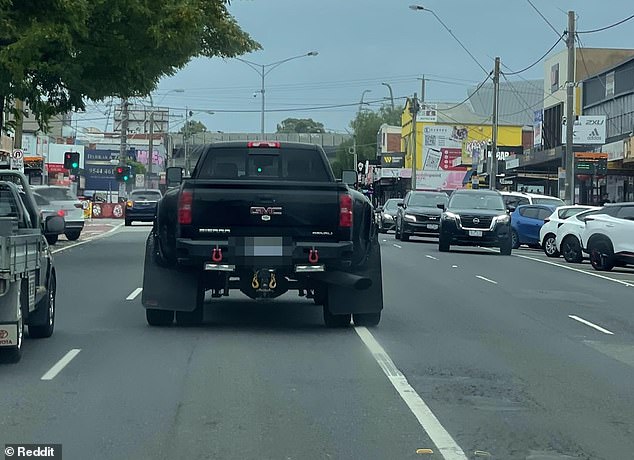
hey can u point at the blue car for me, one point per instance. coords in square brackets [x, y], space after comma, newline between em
[527, 221]
[141, 206]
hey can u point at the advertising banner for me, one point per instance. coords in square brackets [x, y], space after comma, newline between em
[538, 123]
[439, 180]
[442, 145]
[587, 130]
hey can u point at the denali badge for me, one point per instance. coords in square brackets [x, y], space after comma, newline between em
[267, 212]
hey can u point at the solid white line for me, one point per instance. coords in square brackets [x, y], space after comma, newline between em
[396, 245]
[448, 448]
[624, 283]
[88, 240]
[431, 257]
[61, 364]
[588, 323]
[134, 294]
[486, 279]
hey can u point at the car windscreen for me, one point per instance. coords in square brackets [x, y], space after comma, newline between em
[145, 195]
[57, 194]
[553, 201]
[476, 201]
[427, 200]
[391, 205]
[40, 200]
[264, 164]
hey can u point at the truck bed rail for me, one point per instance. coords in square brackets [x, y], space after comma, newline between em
[19, 254]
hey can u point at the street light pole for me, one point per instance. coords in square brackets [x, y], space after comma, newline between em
[148, 172]
[391, 93]
[263, 70]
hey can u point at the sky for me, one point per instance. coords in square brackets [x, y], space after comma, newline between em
[362, 44]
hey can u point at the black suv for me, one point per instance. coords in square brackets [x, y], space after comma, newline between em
[418, 214]
[475, 218]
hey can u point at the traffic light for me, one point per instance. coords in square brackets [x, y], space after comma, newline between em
[123, 173]
[71, 160]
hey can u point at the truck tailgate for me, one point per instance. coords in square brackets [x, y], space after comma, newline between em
[259, 208]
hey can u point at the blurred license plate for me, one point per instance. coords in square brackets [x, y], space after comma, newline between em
[475, 233]
[432, 226]
[264, 246]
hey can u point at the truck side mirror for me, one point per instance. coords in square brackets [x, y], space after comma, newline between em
[54, 225]
[441, 206]
[349, 177]
[174, 176]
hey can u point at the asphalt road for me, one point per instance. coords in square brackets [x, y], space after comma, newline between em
[507, 357]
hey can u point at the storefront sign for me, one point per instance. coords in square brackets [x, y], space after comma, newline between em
[587, 130]
[591, 163]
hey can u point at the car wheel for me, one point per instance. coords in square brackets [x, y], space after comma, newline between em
[601, 255]
[52, 239]
[14, 354]
[159, 317]
[550, 246]
[506, 247]
[335, 321]
[397, 232]
[404, 236]
[45, 330]
[443, 243]
[515, 240]
[128, 223]
[73, 235]
[571, 250]
[366, 319]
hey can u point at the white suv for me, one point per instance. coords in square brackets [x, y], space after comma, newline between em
[548, 232]
[515, 199]
[609, 237]
[568, 236]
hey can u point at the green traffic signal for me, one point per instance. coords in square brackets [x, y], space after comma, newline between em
[75, 165]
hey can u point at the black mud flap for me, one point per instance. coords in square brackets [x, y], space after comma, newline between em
[348, 300]
[166, 288]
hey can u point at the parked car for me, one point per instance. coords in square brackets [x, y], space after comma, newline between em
[141, 206]
[419, 214]
[608, 237]
[568, 237]
[63, 198]
[548, 232]
[387, 215]
[514, 199]
[475, 218]
[526, 222]
[47, 210]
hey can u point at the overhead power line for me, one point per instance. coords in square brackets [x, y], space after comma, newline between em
[539, 60]
[543, 17]
[601, 29]
[479, 87]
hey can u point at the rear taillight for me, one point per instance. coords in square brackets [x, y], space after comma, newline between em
[61, 213]
[264, 144]
[185, 207]
[345, 210]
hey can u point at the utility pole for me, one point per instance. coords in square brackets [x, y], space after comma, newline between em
[124, 139]
[569, 162]
[422, 91]
[185, 139]
[413, 108]
[148, 174]
[19, 107]
[493, 169]
[263, 74]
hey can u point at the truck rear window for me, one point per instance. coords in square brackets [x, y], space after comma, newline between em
[264, 163]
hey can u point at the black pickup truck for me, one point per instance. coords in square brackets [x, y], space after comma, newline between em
[264, 218]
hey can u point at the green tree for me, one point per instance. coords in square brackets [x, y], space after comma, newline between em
[56, 54]
[193, 127]
[365, 127]
[300, 125]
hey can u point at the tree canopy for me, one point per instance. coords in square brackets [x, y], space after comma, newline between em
[365, 127]
[55, 54]
[193, 127]
[300, 125]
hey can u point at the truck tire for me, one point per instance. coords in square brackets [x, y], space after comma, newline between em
[13, 355]
[72, 235]
[366, 319]
[52, 239]
[159, 317]
[336, 321]
[47, 322]
[443, 243]
[506, 247]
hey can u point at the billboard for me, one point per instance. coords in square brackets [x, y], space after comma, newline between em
[587, 130]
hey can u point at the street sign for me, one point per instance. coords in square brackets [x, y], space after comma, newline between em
[139, 180]
[360, 166]
[17, 154]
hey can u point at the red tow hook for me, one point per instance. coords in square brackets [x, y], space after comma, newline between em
[216, 254]
[313, 256]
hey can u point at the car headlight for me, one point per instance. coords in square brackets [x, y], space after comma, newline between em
[409, 217]
[388, 217]
[505, 219]
[448, 215]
